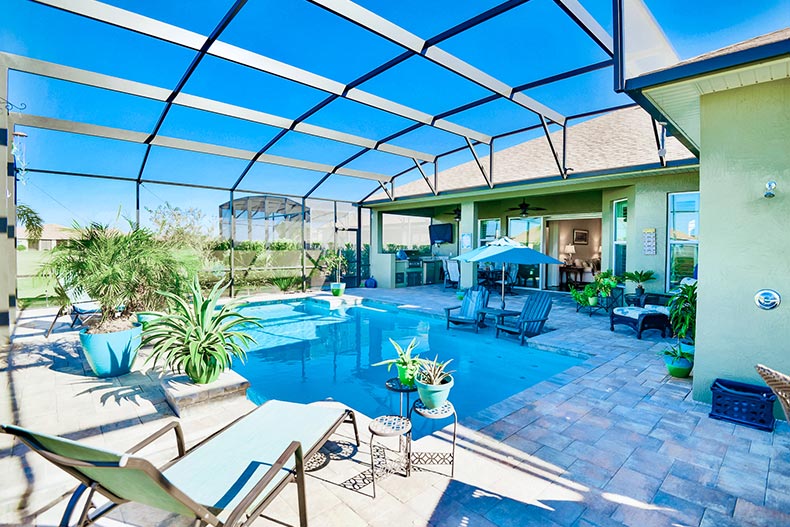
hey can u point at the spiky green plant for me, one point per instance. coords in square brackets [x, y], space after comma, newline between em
[434, 372]
[683, 311]
[195, 337]
[117, 268]
[286, 283]
[407, 364]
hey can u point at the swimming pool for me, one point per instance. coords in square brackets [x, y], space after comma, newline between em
[305, 353]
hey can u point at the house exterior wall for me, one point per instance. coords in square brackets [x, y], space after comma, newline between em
[647, 200]
[744, 237]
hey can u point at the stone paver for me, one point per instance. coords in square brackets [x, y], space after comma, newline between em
[611, 441]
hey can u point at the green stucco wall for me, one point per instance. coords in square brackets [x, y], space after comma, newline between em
[744, 237]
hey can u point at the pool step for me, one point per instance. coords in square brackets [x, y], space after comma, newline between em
[332, 303]
[185, 396]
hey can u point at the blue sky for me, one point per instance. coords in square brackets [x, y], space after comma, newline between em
[532, 41]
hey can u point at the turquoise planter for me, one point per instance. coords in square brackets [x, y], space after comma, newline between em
[111, 354]
[144, 318]
[679, 368]
[433, 396]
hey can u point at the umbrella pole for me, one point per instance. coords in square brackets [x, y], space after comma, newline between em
[503, 286]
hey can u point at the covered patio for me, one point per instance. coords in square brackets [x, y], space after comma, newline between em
[612, 441]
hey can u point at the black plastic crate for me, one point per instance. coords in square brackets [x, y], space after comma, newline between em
[742, 403]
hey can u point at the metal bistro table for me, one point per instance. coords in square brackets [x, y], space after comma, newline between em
[394, 385]
[435, 458]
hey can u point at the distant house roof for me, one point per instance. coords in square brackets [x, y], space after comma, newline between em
[618, 140]
[50, 231]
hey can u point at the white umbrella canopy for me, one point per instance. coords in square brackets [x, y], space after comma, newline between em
[504, 250]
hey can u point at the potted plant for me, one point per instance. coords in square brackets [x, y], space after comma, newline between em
[682, 317]
[639, 278]
[119, 271]
[407, 364]
[336, 264]
[605, 281]
[459, 294]
[433, 382]
[197, 338]
[587, 296]
[678, 362]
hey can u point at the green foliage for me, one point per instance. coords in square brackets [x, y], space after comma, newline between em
[639, 277]
[197, 338]
[335, 264]
[286, 283]
[249, 245]
[676, 353]
[605, 281]
[434, 372]
[181, 227]
[118, 269]
[683, 311]
[21, 247]
[583, 297]
[220, 245]
[31, 220]
[404, 361]
[283, 245]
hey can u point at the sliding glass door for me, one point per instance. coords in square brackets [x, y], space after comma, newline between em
[528, 231]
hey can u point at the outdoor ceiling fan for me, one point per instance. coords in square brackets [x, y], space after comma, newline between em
[524, 208]
[456, 213]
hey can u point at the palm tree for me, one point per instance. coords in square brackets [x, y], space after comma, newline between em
[31, 220]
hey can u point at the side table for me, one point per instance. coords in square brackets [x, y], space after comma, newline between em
[389, 426]
[435, 458]
[394, 385]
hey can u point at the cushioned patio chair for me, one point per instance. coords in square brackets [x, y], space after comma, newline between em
[452, 272]
[475, 299]
[227, 479]
[530, 321]
[779, 384]
[650, 312]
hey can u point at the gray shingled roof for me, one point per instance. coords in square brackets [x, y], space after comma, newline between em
[613, 141]
[762, 40]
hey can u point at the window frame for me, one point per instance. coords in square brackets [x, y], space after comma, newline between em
[670, 242]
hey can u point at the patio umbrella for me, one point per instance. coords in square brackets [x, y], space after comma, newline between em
[505, 250]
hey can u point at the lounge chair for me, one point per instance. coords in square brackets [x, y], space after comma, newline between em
[227, 479]
[530, 321]
[649, 313]
[475, 299]
[452, 272]
[779, 384]
[82, 308]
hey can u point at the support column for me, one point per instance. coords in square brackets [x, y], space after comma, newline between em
[468, 225]
[7, 222]
[232, 237]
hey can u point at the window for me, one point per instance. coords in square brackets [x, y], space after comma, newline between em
[489, 231]
[683, 237]
[528, 231]
[619, 235]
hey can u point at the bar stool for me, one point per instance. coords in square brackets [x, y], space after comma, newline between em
[390, 426]
[444, 411]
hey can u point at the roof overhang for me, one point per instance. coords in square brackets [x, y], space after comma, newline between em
[673, 95]
[538, 186]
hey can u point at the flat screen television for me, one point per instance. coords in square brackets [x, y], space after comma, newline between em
[441, 233]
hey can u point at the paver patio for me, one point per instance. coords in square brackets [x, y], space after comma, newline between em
[611, 441]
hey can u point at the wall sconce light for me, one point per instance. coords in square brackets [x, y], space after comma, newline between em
[770, 187]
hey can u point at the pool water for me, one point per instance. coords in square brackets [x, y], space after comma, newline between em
[305, 353]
